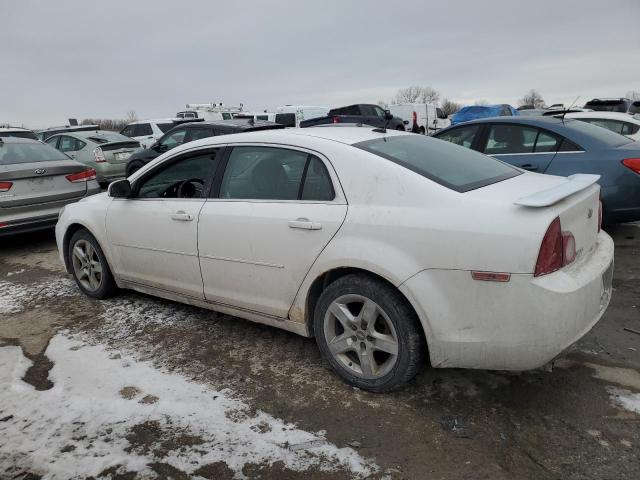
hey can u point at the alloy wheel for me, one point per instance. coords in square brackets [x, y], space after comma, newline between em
[86, 265]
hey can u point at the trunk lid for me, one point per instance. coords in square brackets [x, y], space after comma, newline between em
[40, 182]
[119, 152]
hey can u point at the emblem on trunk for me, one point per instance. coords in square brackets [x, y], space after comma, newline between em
[40, 171]
[589, 213]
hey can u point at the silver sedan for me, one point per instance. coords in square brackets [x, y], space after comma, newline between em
[36, 181]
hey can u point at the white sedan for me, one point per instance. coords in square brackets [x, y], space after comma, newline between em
[389, 248]
[622, 123]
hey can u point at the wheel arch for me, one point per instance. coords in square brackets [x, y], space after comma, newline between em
[322, 281]
[68, 234]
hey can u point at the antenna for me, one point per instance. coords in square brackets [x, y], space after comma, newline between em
[570, 106]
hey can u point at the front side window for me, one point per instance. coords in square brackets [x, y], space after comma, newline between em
[185, 178]
[455, 168]
[379, 112]
[267, 173]
[463, 136]
[174, 139]
[128, 131]
[12, 153]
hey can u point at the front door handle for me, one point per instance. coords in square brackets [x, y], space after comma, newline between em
[305, 224]
[181, 216]
[529, 166]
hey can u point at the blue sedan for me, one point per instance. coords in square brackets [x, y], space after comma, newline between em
[561, 147]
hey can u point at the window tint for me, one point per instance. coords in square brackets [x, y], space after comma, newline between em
[263, 173]
[143, 129]
[128, 131]
[286, 119]
[185, 178]
[546, 142]
[568, 146]
[198, 133]
[12, 153]
[351, 110]
[165, 127]
[317, 182]
[510, 139]
[174, 139]
[70, 144]
[630, 128]
[226, 116]
[262, 117]
[456, 168]
[462, 136]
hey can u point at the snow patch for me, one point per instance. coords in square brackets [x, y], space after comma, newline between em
[625, 399]
[84, 424]
[14, 297]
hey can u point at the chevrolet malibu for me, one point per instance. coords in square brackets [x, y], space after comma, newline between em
[391, 249]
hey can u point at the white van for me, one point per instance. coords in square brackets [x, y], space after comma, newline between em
[286, 119]
[209, 112]
[424, 118]
[303, 112]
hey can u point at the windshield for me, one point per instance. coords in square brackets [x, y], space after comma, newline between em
[12, 153]
[454, 167]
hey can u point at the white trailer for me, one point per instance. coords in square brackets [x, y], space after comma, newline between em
[424, 118]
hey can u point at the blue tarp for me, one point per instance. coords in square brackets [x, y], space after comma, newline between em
[473, 112]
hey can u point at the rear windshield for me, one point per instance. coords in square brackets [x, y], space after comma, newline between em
[599, 134]
[455, 167]
[164, 127]
[12, 153]
[607, 105]
[19, 134]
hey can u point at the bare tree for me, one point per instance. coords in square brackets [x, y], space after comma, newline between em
[429, 95]
[449, 107]
[383, 104]
[633, 95]
[408, 95]
[532, 97]
[111, 124]
[131, 116]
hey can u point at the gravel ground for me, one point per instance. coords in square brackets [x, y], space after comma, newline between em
[582, 420]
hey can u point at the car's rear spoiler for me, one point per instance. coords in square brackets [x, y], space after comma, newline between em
[544, 198]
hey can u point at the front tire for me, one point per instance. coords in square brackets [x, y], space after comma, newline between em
[89, 266]
[368, 333]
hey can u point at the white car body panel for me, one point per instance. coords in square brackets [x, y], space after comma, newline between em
[420, 236]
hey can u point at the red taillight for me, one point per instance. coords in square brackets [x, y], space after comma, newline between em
[550, 255]
[336, 119]
[5, 186]
[415, 117]
[557, 250]
[632, 163]
[82, 176]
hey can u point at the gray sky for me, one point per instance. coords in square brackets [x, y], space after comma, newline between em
[100, 59]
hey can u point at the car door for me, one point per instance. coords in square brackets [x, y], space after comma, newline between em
[275, 209]
[153, 234]
[524, 146]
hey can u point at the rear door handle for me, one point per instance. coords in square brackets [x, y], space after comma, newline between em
[305, 224]
[181, 216]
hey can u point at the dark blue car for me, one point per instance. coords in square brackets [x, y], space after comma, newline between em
[559, 146]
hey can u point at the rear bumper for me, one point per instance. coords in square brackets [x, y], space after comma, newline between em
[31, 225]
[519, 325]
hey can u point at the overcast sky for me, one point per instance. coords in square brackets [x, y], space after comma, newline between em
[62, 59]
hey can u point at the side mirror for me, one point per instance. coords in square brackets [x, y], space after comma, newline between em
[388, 115]
[120, 189]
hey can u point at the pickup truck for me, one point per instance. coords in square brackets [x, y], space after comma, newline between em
[360, 113]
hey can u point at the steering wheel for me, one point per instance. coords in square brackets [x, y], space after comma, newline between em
[189, 189]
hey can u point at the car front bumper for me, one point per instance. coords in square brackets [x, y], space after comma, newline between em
[517, 325]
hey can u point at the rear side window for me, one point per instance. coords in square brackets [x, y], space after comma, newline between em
[12, 153]
[143, 129]
[164, 127]
[267, 173]
[70, 144]
[630, 128]
[463, 136]
[510, 139]
[459, 169]
[568, 146]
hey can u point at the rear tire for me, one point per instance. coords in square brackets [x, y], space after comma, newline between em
[369, 334]
[89, 266]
